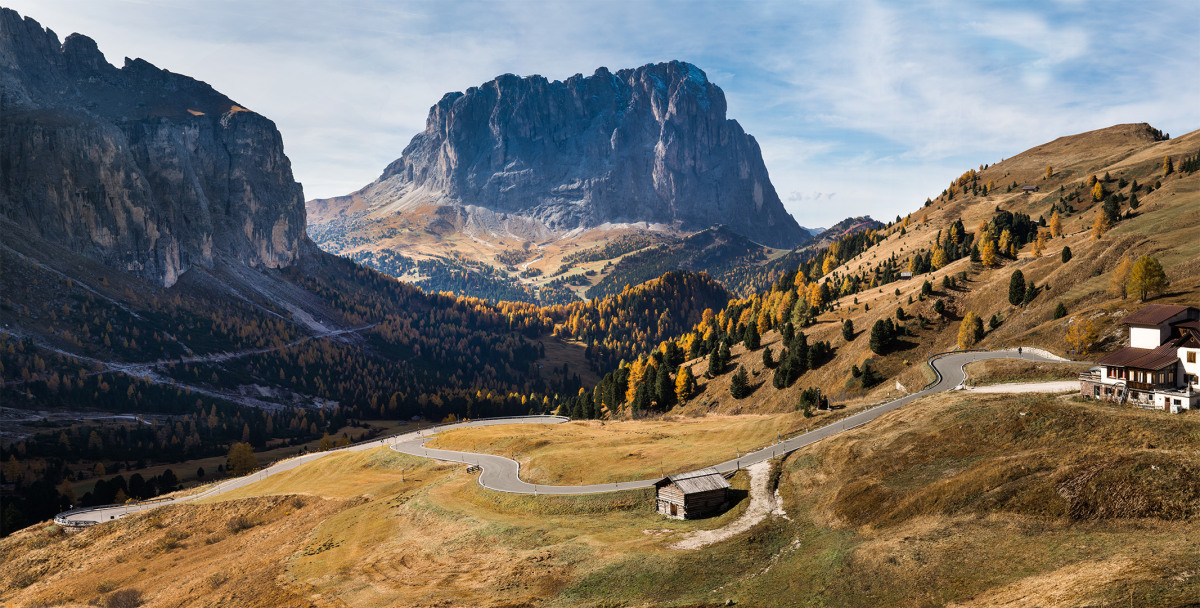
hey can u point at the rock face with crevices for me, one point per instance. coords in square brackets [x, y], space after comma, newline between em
[145, 170]
[651, 144]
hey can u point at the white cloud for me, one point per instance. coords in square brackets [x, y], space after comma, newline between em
[879, 102]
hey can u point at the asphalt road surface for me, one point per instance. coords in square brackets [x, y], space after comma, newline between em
[503, 474]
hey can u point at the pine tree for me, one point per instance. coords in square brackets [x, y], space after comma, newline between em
[1112, 209]
[664, 389]
[848, 330]
[1134, 203]
[715, 366]
[768, 360]
[881, 338]
[1060, 311]
[1147, 277]
[1016, 288]
[739, 384]
[1167, 166]
[1066, 255]
[751, 338]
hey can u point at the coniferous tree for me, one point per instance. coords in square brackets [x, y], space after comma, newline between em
[751, 337]
[881, 337]
[1112, 210]
[1066, 255]
[739, 384]
[848, 330]
[1031, 291]
[1016, 288]
[768, 360]
[665, 388]
[1060, 311]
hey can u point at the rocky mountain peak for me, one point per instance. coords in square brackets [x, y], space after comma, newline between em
[146, 170]
[649, 144]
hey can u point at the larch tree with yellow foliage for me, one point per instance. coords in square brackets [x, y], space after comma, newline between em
[685, 384]
[1120, 278]
[1039, 244]
[1098, 192]
[829, 265]
[1006, 241]
[1147, 277]
[1082, 335]
[987, 253]
[1100, 226]
[970, 331]
[940, 259]
[637, 372]
[1049, 171]
[814, 295]
[1055, 225]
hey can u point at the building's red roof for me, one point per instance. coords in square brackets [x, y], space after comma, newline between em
[1153, 314]
[1143, 358]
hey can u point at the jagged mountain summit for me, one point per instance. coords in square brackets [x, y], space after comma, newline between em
[538, 159]
[147, 171]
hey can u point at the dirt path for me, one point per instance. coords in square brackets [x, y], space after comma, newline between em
[762, 504]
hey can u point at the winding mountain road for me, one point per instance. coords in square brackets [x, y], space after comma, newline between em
[503, 474]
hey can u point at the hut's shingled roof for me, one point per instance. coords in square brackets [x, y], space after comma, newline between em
[702, 480]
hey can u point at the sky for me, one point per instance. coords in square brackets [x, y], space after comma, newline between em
[860, 107]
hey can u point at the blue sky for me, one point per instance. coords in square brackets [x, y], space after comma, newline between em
[861, 107]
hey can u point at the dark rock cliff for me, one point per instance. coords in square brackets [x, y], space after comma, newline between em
[145, 170]
[650, 144]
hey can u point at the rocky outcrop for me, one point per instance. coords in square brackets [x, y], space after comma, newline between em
[145, 170]
[650, 144]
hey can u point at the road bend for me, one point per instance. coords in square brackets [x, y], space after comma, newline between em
[503, 474]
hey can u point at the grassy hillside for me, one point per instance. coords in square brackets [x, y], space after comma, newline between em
[1164, 225]
[957, 500]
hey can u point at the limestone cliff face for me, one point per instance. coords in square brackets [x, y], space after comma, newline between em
[148, 171]
[650, 144]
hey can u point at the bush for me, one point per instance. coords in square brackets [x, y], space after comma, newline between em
[238, 523]
[125, 598]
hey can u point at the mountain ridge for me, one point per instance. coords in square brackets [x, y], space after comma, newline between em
[648, 144]
[149, 171]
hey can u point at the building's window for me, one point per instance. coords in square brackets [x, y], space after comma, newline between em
[1177, 402]
[1191, 356]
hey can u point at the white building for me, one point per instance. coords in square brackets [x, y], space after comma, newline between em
[1159, 368]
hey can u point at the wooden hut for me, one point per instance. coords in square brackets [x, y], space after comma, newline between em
[692, 494]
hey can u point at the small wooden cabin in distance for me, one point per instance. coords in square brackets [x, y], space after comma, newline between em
[690, 495]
